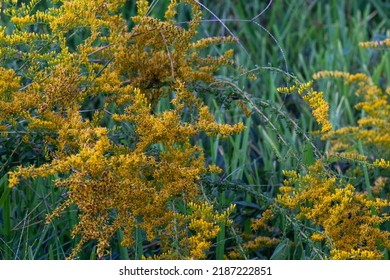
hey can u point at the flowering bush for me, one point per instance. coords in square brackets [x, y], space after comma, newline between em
[117, 184]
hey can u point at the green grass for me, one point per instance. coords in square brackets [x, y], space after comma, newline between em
[312, 36]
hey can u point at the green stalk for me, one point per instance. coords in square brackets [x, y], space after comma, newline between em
[220, 249]
[123, 250]
[138, 244]
[365, 172]
[6, 229]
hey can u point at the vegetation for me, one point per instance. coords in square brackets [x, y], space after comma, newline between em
[162, 130]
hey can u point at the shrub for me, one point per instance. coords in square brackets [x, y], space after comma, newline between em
[126, 167]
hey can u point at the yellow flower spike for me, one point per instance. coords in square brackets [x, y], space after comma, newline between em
[317, 237]
[171, 10]
[376, 44]
[287, 90]
[261, 242]
[304, 87]
[214, 169]
[382, 163]
[320, 108]
[315, 100]
[13, 180]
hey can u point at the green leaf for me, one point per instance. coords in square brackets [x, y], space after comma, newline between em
[282, 251]
[308, 157]
[248, 204]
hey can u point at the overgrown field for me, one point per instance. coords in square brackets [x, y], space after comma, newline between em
[185, 129]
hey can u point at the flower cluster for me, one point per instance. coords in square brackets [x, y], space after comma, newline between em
[315, 100]
[189, 237]
[137, 180]
[349, 221]
[372, 129]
